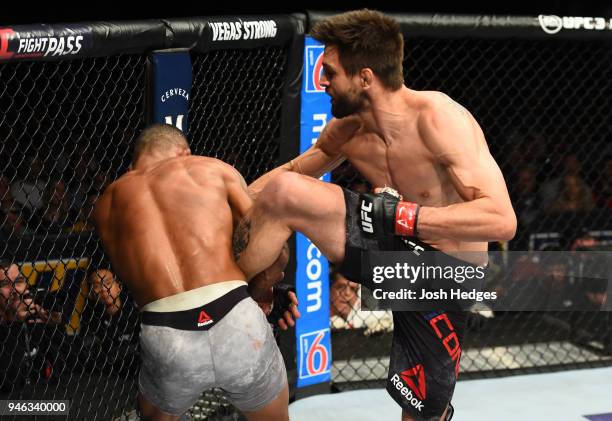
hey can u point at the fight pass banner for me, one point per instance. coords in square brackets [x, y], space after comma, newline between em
[312, 277]
[171, 87]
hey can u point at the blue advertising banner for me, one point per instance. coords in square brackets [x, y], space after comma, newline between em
[312, 278]
[171, 88]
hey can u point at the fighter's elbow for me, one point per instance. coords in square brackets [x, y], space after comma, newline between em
[507, 226]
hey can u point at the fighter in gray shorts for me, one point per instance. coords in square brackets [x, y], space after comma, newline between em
[230, 347]
[166, 226]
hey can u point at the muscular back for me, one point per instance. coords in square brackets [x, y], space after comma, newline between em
[168, 229]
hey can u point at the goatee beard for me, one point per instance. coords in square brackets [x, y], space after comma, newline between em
[343, 108]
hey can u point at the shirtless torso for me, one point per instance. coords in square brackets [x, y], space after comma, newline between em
[419, 167]
[168, 228]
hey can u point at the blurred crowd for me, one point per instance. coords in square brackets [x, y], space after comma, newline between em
[34, 201]
[45, 333]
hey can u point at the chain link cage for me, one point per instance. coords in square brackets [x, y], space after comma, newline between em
[66, 133]
[68, 328]
[544, 107]
[235, 114]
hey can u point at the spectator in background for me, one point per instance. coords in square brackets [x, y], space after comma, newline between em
[84, 220]
[104, 289]
[578, 238]
[574, 196]
[345, 312]
[12, 225]
[28, 192]
[344, 298]
[552, 189]
[11, 356]
[603, 185]
[554, 291]
[6, 197]
[525, 201]
[525, 150]
[595, 294]
[16, 302]
[80, 175]
[109, 321]
[55, 215]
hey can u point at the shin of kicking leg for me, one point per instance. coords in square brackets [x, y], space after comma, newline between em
[259, 238]
[291, 202]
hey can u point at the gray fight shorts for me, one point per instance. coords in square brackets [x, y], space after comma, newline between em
[234, 350]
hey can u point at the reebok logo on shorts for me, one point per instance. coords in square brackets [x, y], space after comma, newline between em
[413, 386]
[415, 379]
[204, 319]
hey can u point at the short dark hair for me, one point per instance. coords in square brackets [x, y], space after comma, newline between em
[159, 136]
[366, 38]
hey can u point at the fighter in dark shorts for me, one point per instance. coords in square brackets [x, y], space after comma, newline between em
[421, 144]
[426, 348]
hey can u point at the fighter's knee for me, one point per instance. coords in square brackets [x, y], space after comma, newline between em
[281, 194]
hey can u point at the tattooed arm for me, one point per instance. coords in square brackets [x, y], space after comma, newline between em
[261, 283]
[260, 286]
[240, 239]
[237, 195]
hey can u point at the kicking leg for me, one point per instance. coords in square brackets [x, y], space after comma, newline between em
[291, 202]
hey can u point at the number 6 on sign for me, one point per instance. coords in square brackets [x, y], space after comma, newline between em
[314, 354]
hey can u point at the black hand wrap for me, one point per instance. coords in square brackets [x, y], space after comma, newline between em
[281, 302]
[377, 214]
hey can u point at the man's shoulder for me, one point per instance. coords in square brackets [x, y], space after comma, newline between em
[436, 102]
[436, 109]
[126, 184]
[207, 162]
[121, 182]
[209, 166]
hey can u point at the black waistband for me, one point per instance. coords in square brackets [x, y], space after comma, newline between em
[199, 318]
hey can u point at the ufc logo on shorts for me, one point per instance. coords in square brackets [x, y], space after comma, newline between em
[366, 219]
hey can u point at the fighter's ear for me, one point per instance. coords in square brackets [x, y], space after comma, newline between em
[366, 77]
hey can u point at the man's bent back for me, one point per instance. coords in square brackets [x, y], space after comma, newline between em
[170, 227]
[167, 227]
